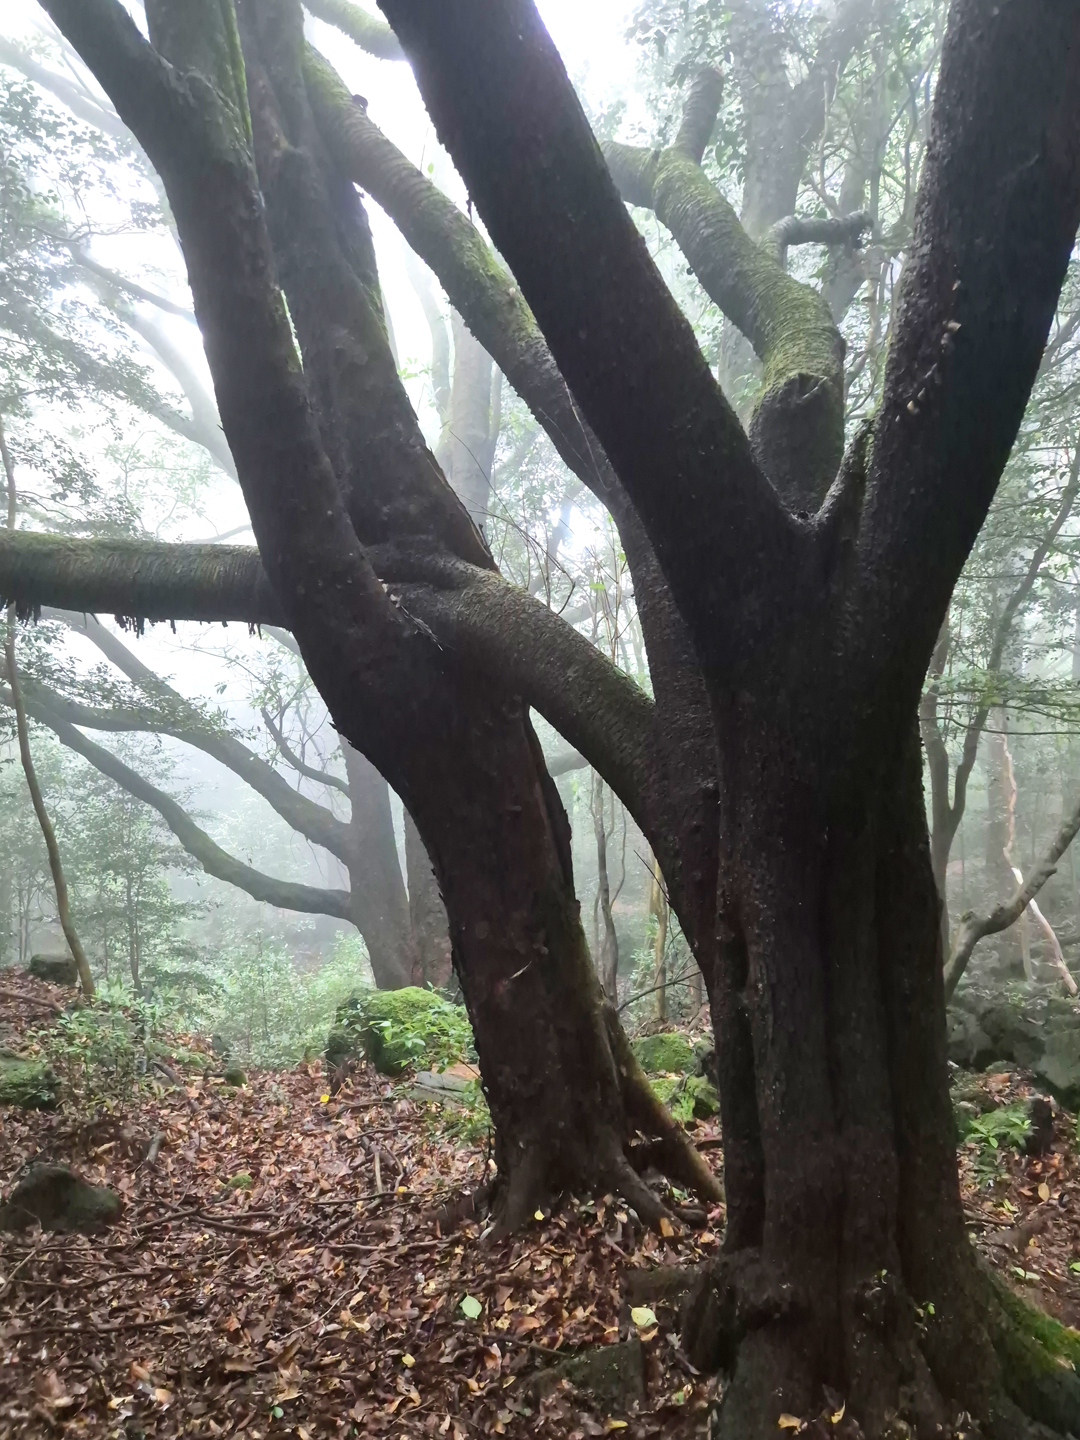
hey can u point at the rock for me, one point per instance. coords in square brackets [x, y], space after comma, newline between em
[1040, 1136]
[57, 969]
[687, 1096]
[235, 1076]
[614, 1375]
[59, 1200]
[1035, 1028]
[665, 1054]
[29, 1083]
[397, 1028]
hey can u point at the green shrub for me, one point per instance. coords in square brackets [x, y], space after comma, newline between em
[398, 1028]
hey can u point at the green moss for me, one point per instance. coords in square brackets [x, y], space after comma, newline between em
[241, 1181]
[688, 1097]
[235, 1076]
[1060, 1341]
[665, 1054]
[397, 1028]
[30, 1084]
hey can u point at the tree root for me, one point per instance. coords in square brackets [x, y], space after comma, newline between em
[765, 1335]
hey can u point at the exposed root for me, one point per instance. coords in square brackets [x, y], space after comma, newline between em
[766, 1336]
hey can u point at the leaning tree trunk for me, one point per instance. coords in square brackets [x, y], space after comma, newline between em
[847, 1269]
[566, 1095]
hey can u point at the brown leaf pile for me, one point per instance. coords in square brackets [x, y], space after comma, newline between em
[277, 1271]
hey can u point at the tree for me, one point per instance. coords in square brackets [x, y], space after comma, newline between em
[340, 455]
[802, 591]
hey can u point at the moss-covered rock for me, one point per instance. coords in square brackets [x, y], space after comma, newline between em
[27, 1082]
[57, 969]
[666, 1054]
[397, 1028]
[58, 1199]
[688, 1097]
[235, 1076]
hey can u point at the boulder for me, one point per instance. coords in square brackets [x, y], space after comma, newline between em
[394, 1029]
[58, 1199]
[668, 1053]
[1035, 1028]
[29, 1083]
[57, 969]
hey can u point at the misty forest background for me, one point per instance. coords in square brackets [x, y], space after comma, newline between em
[227, 861]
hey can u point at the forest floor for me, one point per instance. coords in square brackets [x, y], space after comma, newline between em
[278, 1269]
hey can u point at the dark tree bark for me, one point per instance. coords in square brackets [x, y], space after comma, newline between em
[814, 639]
[331, 460]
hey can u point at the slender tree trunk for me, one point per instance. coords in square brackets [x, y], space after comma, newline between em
[427, 913]
[607, 957]
[63, 907]
[379, 904]
[658, 907]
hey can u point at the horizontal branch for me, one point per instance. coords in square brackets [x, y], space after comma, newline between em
[362, 28]
[135, 580]
[974, 928]
[493, 625]
[816, 230]
[214, 860]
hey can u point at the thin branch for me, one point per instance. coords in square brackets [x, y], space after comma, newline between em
[974, 928]
[323, 777]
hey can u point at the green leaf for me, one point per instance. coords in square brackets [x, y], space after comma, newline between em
[642, 1317]
[471, 1307]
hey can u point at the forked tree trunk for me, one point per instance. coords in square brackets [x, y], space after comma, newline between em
[847, 1269]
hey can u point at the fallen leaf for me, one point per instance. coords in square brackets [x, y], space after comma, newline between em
[666, 1227]
[789, 1422]
[1044, 1191]
[471, 1307]
[642, 1317]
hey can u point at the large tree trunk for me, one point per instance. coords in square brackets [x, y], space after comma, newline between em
[847, 1268]
[565, 1093]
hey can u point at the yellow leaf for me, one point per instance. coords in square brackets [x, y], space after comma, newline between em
[837, 1415]
[408, 1361]
[789, 1422]
[323, 1099]
[614, 1424]
[666, 1227]
[1044, 1191]
[539, 1215]
[642, 1317]
[163, 1396]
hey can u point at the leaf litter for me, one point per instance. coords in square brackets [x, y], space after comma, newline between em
[279, 1269]
[261, 1280]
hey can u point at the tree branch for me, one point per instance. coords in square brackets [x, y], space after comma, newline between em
[367, 31]
[506, 111]
[214, 860]
[996, 221]
[973, 928]
[183, 722]
[213, 583]
[323, 777]
[470, 610]
[798, 423]
[815, 230]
